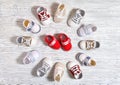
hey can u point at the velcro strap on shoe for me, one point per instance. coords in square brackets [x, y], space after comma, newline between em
[52, 43]
[66, 42]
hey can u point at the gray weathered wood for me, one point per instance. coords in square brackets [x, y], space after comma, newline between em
[105, 14]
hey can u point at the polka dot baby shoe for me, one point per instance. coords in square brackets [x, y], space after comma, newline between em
[86, 29]
[65, 42]
[45, 67]
[31, 26]
[76, 16]
[74, 69]
[58, 71]
[31, 57]
[88, 44]
[26, 41]
[43, 15]
[52, 42]
[85, 60]
[60, 13]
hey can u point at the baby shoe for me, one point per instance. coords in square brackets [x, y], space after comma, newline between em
[31, 57]
[74, 69]
[45, 67]
[65, 42]
[76, 16]
[26, 40]
[59, 71]
[85, 60]
[86, 29]
[60, 13]
[52, 42]
[43, 15]
[31, 26]
[88, 44]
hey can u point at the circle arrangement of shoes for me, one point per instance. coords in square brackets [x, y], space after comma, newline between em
[60, 41]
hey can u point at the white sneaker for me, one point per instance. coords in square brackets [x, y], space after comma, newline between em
[26, 41]
[43, 15]
[87, 29]
[75, 18]
[85, 60]
[60, 13]
[59, 71]
[31, 57]
[46, 65]
[31, 26]
[88, 44]
[74, 69]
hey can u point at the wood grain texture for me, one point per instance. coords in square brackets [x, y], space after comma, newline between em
[105, 14]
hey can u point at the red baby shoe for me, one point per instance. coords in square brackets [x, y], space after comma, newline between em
[65, 42]
[52, 42]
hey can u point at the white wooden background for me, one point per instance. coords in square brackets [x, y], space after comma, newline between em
[105, 14]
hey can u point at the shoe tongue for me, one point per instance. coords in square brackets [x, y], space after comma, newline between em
[93, 63]
[57, 78]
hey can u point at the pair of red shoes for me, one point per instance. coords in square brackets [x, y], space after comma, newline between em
[63, 41]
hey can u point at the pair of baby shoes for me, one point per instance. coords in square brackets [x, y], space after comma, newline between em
[74, 19]
[32, 56]
[74, 67]
[85, 60]
[46, 66]
[33, 27]
[63, 41]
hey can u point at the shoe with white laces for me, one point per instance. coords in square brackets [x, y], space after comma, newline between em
[26, 41]
[59, 71]
[88, 44]
[43, 15]
[87, 29]
[60, 13]
[45, 67]
[31, 26]
[74, 69]
[85, 60]
[31, 57]
[76, 17]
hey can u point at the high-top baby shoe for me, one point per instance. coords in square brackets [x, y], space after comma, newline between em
[43, 15]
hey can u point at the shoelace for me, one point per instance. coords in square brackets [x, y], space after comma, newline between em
[76, 18]
[27, 41]
[89, 44]
[45, 67]
[43, 15]
[75, 70]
